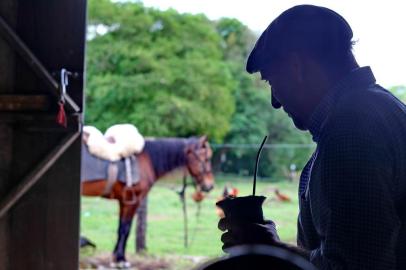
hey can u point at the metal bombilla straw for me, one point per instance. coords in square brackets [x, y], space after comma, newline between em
[256, 165]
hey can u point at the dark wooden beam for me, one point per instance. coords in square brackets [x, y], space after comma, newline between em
[17, 44]
[39, 122]
[37, 67]
[24, 103]
[36, 174]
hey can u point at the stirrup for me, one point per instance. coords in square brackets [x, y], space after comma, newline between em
[128, 196]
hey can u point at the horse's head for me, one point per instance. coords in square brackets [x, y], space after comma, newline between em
[198, 163]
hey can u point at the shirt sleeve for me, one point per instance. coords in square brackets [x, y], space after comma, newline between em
[352, 199]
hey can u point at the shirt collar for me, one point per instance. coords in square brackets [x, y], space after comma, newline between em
[358, 78]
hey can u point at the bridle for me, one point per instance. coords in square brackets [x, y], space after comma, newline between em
[204, 169]
[198, 179]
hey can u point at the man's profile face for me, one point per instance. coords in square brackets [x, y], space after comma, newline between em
[286, 90]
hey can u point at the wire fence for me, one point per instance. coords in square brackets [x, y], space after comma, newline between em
[277, 160]
[165, 231]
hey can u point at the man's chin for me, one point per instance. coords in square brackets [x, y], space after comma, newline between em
[299, 124]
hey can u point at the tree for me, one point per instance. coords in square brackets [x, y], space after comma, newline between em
[160, 70]
[175, 74]
[399, 91]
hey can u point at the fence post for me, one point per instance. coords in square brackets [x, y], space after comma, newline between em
[141, 228]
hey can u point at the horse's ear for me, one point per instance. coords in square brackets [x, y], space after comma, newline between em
[203, 139]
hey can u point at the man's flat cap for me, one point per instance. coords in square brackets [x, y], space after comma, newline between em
[303, 27]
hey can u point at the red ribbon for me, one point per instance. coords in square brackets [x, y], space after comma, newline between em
[61, 117]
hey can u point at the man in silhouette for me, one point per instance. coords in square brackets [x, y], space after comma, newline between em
[352, 191]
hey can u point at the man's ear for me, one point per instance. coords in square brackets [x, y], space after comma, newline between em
[297, 65]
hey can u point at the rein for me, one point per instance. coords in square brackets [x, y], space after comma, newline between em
[198, 211]
[181, 194]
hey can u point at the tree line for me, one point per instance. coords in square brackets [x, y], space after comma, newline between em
[180, 75]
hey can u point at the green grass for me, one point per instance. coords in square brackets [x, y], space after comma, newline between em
[99, 218]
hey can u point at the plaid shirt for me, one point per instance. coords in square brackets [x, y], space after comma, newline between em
[352, 192]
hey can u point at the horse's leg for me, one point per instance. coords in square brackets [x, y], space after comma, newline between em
[127, 212]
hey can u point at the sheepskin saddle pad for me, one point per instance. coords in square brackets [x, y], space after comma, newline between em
[119, 141]
[95, 168]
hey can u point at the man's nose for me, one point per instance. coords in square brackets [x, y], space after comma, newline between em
[275, 103]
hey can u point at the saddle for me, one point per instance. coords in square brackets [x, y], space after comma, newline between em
[119, 141]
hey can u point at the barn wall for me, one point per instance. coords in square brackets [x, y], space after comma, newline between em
[8, 10]
[41, 230]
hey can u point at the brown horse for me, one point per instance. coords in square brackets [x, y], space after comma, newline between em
[159, 157]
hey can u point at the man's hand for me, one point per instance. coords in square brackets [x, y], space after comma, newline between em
[240, 233]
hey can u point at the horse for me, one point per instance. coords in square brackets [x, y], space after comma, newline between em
[158, 158]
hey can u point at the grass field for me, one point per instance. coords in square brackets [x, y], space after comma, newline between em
[99, 218]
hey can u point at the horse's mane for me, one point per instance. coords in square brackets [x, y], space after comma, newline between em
[167, 154]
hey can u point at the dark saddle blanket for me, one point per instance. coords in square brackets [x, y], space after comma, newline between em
[94, 168]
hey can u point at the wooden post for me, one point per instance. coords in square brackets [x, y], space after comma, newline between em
[141, 228]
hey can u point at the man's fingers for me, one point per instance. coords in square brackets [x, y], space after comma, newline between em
[225, 247]
[269, 223]
[230, 239]
[238, 233]
[227, 238]
[222, 225]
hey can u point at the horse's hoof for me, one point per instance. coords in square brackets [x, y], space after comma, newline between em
[120, 265]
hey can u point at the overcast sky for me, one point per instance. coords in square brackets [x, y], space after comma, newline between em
[378, 26]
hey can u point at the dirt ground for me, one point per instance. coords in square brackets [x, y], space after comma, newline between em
[102, 261]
